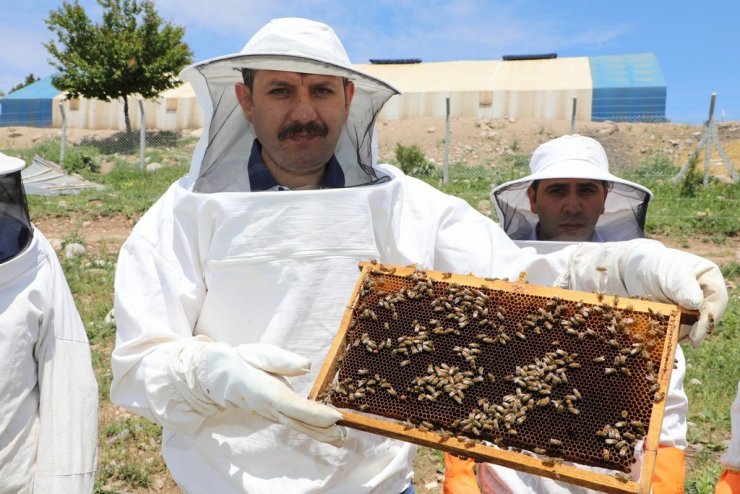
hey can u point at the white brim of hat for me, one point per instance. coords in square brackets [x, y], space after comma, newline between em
[566, 169]
[9, 164]
[227, 69]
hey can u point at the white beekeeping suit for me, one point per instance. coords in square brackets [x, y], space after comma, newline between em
[48, 392]
[215, 279]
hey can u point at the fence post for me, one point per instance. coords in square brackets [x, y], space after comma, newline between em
[63, 144]
[573, 117]
[142, 134]
[709, 138]
[445, 171]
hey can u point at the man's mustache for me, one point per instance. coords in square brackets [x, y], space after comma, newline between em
[309, 129]
[571, 218]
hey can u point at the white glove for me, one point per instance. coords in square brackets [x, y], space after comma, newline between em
[250, 377]
[649, 269]
[731, 458]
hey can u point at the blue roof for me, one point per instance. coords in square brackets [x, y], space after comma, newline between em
[623, 71]
[41, 89]
[627, 88]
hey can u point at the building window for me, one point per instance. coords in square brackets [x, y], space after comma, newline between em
[171, 105]
[74, 104]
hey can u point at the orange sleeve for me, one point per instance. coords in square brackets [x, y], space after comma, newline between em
[459, 476]
[670, 471]
[729, 483]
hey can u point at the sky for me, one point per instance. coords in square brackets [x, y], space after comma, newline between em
[696, 43]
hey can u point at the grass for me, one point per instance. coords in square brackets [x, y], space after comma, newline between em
[715, 365]
[129, 446]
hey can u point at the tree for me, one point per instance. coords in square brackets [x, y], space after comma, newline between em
[133, 51]
[30, 79]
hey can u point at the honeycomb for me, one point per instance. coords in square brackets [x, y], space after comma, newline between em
[503, 364]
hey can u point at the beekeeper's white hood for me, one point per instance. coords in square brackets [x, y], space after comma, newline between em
[16, 231]
[289, 44]
[573, 156]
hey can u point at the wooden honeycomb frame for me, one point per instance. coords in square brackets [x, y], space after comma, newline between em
[390, 424]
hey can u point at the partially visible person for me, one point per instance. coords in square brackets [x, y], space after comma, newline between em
[48, 392]
[570, 196]
[729, 481]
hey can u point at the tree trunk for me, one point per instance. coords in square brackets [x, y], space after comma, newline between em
[125, 114]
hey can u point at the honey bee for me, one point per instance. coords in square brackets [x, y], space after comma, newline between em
[548, 462]
[445, 435]
[622, 477]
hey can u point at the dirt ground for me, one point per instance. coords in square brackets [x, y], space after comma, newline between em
[470, 141]
[473, 140]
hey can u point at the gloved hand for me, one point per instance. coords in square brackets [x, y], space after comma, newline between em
[648, 268]
[459, 476]
[669, 472]
[250, 377]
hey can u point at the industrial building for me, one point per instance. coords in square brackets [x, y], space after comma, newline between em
[617, 88]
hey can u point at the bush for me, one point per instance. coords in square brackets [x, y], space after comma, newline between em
[412, 161]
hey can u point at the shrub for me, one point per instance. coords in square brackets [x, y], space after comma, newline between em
[412, 161]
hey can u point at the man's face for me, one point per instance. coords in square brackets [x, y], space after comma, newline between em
[568, 208]
[297, 118]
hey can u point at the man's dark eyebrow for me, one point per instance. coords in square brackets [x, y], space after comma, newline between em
[556, 185]
[279, 83]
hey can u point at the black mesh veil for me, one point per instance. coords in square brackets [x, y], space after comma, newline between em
[624, 214]
[581, 158]
[16, 231]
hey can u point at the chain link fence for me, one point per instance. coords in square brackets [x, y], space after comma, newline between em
[100, 150]
[490, 150]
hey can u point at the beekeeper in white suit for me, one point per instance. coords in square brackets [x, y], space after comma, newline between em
[48, 392]
[236, 280]
[571, 196]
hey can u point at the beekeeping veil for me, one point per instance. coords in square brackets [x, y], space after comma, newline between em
[16, 231]
[573, 156]
[293, 45]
